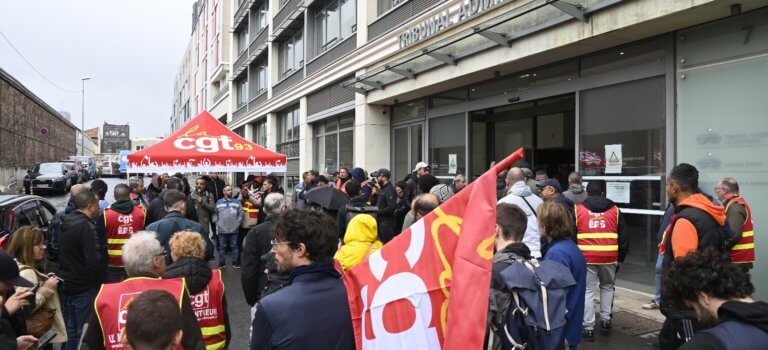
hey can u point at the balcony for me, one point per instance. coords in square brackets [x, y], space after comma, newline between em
[240, 65]
[288, 81]
[222, 92]
[240, 111]
[289, 12]
[399, 15]
[332, 55]
[258, 45]
[290, 149]
[241, 13]
[258, 100]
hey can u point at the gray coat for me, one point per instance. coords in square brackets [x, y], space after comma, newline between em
[229, 215]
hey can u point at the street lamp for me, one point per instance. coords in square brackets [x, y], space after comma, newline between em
[82, 120]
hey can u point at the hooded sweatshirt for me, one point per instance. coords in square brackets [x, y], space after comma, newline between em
[575, 193]
[752, 314]
[360, 241]
[598, 204]
[685, 235]
[520, 194]
[365, 191]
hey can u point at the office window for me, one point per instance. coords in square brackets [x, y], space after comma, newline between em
[258, 78]
[262, 16]
[334, 21]
[292, 54]
[334, 143]
[386, 5]
[242, 92]
[288, 125]
[242, 39]
[260, 133]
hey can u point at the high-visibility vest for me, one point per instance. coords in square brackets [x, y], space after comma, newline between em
[252, 211]
[208, 306]
[744, 251]
[111, 304]
[597, 235]
[120, 227]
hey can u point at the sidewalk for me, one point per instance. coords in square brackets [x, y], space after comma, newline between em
[633, 327]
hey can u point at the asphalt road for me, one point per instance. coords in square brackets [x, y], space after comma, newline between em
[239, 311]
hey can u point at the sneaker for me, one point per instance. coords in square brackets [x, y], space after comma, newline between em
[222, 265]
[653, 305]
[605, 326]
[588, 335]
[236, 266]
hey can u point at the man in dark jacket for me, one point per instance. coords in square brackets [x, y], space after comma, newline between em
[142, 256]
[355, 200]
[365, 189]
[387, 204]
[157, 208]
[174, 221]
[304, 244]
[255, 246]
[82, 264]
[721, 294]
[575, 191]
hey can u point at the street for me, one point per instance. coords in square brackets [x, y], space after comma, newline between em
[239, 311]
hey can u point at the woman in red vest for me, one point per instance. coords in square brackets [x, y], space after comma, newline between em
[206, 288]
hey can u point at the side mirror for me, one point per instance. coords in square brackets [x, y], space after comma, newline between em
[63, 172]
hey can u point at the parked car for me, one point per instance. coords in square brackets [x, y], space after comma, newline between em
[109, 169]
[56, 177]
[24, 210]
[77, 174]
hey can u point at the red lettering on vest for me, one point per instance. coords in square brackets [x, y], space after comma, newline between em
[208, 306]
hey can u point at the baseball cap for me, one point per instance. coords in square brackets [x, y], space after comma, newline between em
[420, 165]
[9, 272]
[382, 172]
[550, 182]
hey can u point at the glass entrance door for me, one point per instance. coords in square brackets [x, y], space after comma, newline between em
[409, 148]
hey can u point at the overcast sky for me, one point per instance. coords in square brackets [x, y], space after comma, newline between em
[131, 50]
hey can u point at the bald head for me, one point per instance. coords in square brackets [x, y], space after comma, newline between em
[515, 175]
[423, 204]
[77, 189]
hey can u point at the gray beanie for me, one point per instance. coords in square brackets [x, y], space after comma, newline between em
[442, 191]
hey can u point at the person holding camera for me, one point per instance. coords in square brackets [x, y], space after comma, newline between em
[44, 312]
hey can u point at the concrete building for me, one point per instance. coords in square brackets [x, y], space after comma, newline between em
[85, 145]
[142, 143]
[95, 136]
[115, 138]
[31, 131]
[202, 81]
[618, 90]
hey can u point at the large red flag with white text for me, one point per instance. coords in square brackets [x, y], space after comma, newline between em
[428, 288]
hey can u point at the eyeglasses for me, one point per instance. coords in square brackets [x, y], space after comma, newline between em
[275, 243]
[164, 253]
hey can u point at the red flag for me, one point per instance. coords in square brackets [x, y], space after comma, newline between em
[428, 288]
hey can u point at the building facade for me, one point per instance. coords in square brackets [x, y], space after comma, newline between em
[115, 138]
[31, 131]
[142, 143]
[85, 145]
[202, 82]
[617, 90]
[95, 136]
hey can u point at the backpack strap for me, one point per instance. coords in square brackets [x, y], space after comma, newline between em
[529, 206]
[530, 264]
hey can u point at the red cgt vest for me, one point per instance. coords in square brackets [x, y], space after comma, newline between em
[744, 251]
[598, 236]
[113, 299]
[120, 227]
[208, 306]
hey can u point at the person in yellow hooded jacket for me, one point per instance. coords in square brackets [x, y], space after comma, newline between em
[360, 241]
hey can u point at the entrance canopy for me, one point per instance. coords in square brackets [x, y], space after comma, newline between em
[203, 144]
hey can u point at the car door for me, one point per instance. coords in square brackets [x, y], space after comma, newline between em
[29, 213]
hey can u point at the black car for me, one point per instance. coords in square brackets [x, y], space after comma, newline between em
[49, 177]
[23, 210]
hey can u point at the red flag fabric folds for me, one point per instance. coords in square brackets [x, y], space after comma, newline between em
[428, 288]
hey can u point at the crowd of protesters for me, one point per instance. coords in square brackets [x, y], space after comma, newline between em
[157, 244]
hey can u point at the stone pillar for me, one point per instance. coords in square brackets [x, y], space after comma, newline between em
[306, 136]
[372, 136]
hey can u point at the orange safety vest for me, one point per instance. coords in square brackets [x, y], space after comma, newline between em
[598, 235]
[111, 304]
[251, 210]
[744, 251]
[120, 227]
[208, 306]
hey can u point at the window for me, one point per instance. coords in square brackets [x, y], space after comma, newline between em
[242, 93]
[242, 39]
[260, 133]
[292, 54]
[262, 15]
[258, 78]
[386, 5]
[334, 21]
[447, 145]
[288, 125]
[334, 143]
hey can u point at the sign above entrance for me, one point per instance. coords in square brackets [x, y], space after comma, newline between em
[443, 20]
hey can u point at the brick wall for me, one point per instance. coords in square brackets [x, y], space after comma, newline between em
[22, 116]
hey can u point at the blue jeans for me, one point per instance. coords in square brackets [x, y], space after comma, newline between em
[76, 310]
[659, 261]
[228, 240]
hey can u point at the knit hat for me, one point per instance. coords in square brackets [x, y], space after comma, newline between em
[442, 191]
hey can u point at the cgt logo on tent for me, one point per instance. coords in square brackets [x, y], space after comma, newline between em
[210, 144]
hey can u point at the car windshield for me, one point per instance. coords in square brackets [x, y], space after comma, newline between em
[50, 168]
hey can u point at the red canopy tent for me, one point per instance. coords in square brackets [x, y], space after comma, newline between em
[203, 144]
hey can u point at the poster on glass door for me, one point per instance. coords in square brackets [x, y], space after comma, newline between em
[613, 159]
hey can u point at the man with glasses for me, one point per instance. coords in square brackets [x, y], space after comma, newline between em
[144, 260]
[739, 218]
[304, 244]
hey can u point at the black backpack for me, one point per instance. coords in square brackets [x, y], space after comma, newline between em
[353, 210]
